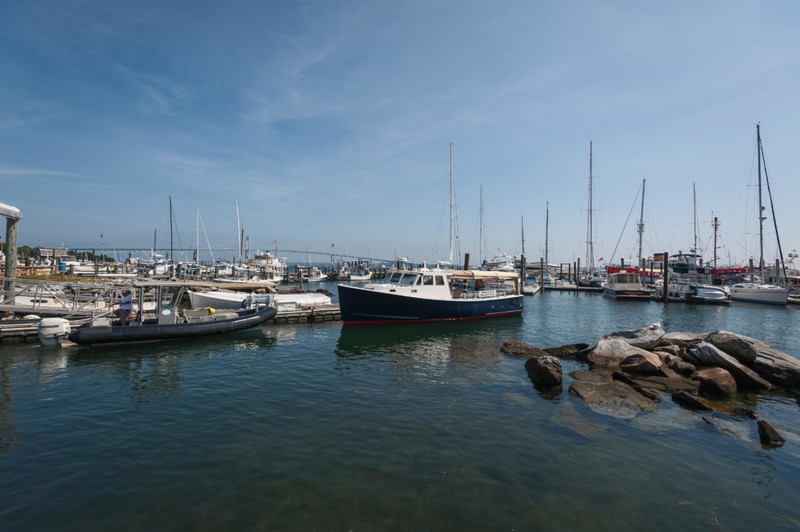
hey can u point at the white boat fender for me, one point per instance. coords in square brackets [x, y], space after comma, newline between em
[31, 317]
[52, 330]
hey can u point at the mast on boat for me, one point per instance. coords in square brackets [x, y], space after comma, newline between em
[522, 223]
[641, 229]
[761, 216]
[694, 202]
[589, 246]
[171, 251]
[452, 206]
[238, 238]
[480, 243]
[197, 257]
[546, 239]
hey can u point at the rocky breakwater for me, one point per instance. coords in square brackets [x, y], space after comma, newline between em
[630, 372]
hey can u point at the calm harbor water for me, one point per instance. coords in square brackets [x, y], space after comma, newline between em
[325, 427]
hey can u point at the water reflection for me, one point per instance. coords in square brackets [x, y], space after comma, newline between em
[8, 431]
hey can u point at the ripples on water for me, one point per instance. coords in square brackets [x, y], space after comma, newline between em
[412, 427]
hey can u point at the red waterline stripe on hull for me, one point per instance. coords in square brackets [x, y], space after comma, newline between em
[398, 321]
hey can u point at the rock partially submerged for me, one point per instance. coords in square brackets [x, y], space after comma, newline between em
[717, 382]
[654, 385]
[544, 371]
[645, 338]
[769, 436]
[569, 351]
[610, 353]
[689, 400]
[706, 354]
[616, 399]
[566, 416]
[516, 348]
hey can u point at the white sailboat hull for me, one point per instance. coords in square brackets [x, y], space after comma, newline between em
[755, 293]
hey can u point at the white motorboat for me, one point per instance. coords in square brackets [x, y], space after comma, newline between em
[312, 274]
[500, 263]
[624, 285]
[228, 300]
[690, 281]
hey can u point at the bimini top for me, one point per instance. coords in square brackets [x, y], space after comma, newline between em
[480, 274]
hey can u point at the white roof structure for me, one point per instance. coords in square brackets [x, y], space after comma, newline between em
[10, 212]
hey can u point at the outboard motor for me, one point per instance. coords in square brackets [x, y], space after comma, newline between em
[52, 330]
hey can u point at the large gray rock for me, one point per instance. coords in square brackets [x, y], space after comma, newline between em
[642, 363]
[738, 346]
[715, 381]
[644, 338]
[776, 366]
[516, 348]
[616, 399]
[682, 339]
[706, 354]
[610, 353]
[544, 371]
[597, 377]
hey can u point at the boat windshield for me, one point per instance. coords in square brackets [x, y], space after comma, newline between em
[704, 280]
[626, 278]
[395, 278]
[409, 279]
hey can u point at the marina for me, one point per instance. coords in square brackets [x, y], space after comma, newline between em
[399, 267]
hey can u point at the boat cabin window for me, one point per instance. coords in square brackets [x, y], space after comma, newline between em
[439, 280]
[427, 280]
[626, 278]
[409, 279]
[395, 277]
[168, 294]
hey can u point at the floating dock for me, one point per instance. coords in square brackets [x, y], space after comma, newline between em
[309, 314]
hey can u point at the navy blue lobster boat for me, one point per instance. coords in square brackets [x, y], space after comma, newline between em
[432, 295]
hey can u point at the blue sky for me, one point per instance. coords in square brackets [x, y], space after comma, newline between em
[330, 122]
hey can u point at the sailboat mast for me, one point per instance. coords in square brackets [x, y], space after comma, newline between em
[589, 232]
[171, 252]
[238, 224]
[761, 217]
[452, 211]
[480, 243]
[694, 202]
[641, 226]
[197, 257]
[522, 223]
[546, 237]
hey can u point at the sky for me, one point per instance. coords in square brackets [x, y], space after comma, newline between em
[330, 123]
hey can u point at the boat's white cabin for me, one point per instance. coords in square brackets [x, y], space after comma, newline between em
[443, 284]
